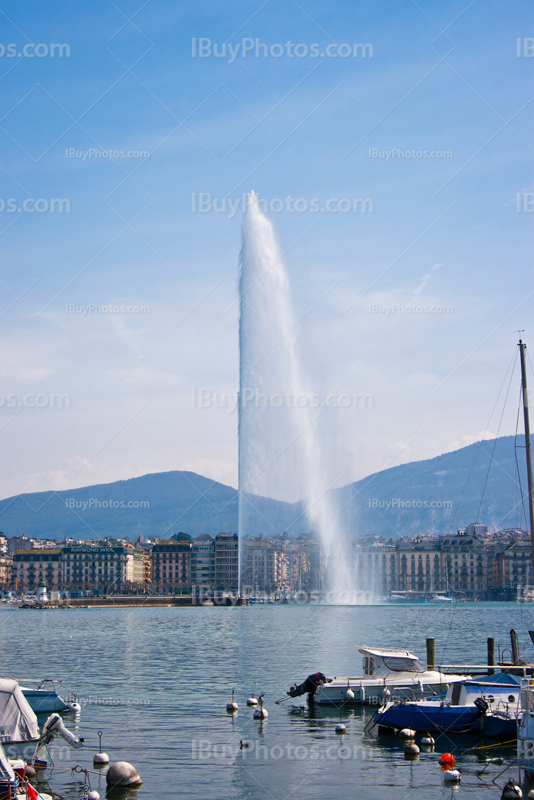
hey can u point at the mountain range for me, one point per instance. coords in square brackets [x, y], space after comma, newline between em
[437, 495]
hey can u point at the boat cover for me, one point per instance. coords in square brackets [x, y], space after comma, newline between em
[7, 772]
[18, 723]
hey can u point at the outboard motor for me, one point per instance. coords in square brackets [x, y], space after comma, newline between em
[482, 705]
[54, 727]
[309, 686]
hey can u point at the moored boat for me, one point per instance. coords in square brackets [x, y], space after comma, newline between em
[45, 698]
[490, 706]
[387, 675]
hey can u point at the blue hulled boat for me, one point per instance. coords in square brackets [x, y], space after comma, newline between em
[490, 706]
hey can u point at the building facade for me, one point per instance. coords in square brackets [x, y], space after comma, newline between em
[171, 567]
[226, 562]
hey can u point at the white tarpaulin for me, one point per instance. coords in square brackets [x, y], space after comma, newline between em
[6, 770]
[18, 723]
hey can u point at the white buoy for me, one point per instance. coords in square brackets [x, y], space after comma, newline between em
[452, 776]
[122, 774]
[411, 750]
[349, 694]
[427, 740]
[93, 795]
[100, 758]
[260, 712]
[75, 707]
[511, 791]
[531, 795]
[252, 701]
[407, 733]
[340, 728]
[232, 706]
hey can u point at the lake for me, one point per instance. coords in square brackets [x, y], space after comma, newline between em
[156, 682]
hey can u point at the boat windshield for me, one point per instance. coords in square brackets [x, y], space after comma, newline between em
[402, 664]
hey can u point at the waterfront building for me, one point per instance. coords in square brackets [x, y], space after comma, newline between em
[226, 562]
[171, 566]
[513, 567]
[203, 562]
[6, 571]
[32, 566]
[264, 566]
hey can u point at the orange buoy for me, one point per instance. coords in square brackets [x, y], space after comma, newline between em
[447, 761]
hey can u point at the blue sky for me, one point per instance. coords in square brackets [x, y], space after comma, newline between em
[442, 232]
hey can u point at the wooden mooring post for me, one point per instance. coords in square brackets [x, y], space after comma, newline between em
[491, 655]
[430, 653]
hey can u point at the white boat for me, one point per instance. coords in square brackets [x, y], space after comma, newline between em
[441, 598]
[45, 698]
[19, 732]
[387, 675]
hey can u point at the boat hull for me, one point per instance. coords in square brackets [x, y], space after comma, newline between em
[436, 717]
[499, 727]
[44, 702]
[373, 694]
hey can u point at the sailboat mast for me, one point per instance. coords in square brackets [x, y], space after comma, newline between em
[522, 348]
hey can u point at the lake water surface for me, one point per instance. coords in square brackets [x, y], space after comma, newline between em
[156, 682]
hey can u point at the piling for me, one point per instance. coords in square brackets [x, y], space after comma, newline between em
[430, 653]
[491, 654]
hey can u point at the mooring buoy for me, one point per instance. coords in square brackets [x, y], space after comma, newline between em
[260, 712]
[511, 791]
[407, 733]
[452, 776]
[340, 728]
[252, 701]
[427, 740]
[411, 750]
[100, 759]
[232, 706]
[93, 795]
[122, 774]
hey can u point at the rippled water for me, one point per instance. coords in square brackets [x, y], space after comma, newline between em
[156, 682]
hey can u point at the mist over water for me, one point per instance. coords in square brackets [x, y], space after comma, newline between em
[281, 452]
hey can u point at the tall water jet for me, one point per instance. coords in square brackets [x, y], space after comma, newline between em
[280, 453]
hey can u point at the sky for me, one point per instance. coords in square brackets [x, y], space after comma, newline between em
[391, 144]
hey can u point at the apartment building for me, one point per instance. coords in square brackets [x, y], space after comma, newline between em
[226, 562]
[171, 566]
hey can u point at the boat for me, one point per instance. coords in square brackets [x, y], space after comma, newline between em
[387, 675]
[19, 732]
[490, 705]
[13, 781]
[45, 698]
[441, 598]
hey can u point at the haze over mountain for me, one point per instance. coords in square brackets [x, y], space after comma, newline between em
[447, 491]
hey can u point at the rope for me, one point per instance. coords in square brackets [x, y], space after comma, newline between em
[495, 442]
